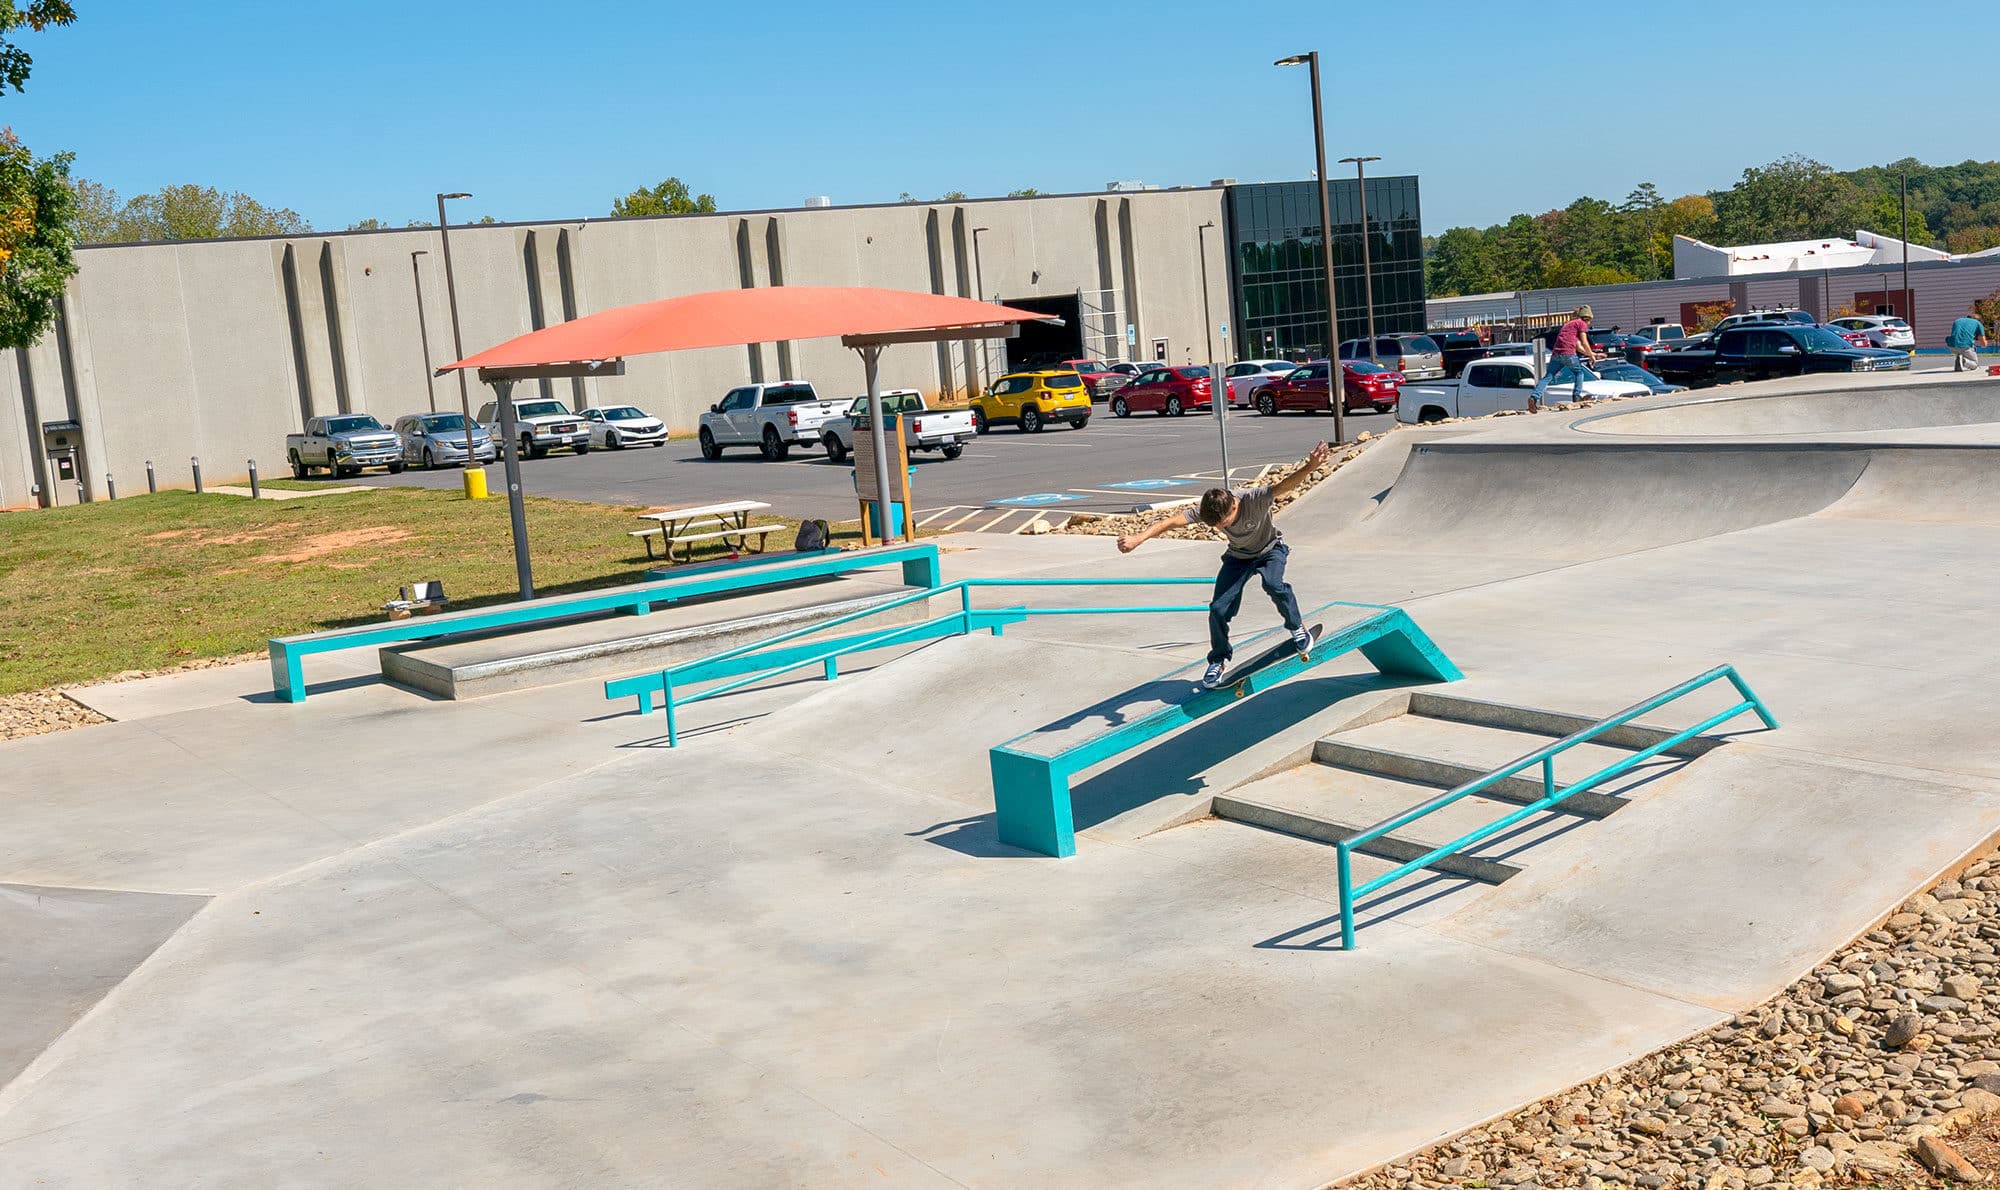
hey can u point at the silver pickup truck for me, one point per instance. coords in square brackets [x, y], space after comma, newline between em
[924, 427]
[343, 444]
[771, 417]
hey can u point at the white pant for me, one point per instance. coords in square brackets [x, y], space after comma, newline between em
[1965, 359]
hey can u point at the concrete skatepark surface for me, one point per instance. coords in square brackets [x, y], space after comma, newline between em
[532, 946]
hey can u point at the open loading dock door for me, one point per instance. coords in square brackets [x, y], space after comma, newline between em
[1041, 344]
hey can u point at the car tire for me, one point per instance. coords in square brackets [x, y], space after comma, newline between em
[1267, 405]
[1031, 420]
[834, 450]
[1173, 408]
[430, 460]
[1430, 413]
[1079, 423]
[775, 448]
[299, 469]
[979, 425]
[612, 442]
[582, 448]
[396, 468]
[1119, 408]
[953, 450]
[710, 449]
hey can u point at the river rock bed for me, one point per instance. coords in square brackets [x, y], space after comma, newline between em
[1881, 1067]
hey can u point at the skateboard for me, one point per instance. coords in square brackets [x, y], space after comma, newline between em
[1284, 648]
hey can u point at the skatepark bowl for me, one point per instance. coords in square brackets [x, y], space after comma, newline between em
[503, 935]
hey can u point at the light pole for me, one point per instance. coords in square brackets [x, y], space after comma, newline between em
[1218, 385]
[423, 333]
[475, 475]
[1910, 314]
[979, 293]
[1311, 58]
[1367, 277]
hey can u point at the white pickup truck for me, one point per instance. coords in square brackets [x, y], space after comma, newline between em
[1490, 385]
[772, 417]
[539, 427]
[344, 445]
[924, 427]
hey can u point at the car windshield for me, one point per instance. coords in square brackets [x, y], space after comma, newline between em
[1192, 373]
[1898, 323]
[348, 425]
[541, 409]
[1362, 367]
[789, 394]
[443, 422]
[624, 413]
[1063, 380]
[1818, 338]
[1419, 344]
[1088, 365]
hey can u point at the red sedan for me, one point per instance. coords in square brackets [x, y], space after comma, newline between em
[1163, 390]
[1368, 388]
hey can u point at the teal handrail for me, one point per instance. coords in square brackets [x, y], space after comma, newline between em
[1544, 756]
[744, 658]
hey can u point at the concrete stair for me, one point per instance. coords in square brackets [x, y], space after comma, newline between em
[1365, 774]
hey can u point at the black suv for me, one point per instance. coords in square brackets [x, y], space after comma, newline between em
[1459, 347]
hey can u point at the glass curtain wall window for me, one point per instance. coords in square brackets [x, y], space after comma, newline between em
[1278, 279]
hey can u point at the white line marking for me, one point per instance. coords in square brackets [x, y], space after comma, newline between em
[960, 521]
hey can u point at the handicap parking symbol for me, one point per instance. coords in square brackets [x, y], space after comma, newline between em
[1037, 499]
[1143, 485]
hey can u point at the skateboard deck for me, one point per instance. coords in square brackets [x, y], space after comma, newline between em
[1284, 648]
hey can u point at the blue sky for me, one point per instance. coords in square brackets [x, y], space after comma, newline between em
[549, 111]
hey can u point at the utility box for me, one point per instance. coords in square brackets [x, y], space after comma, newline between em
[62, 445]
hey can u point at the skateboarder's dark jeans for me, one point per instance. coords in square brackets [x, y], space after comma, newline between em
[1229, 584]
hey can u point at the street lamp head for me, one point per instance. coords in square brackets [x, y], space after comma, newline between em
[1357, 160]
[458, 194]
[977, 230]
[421, 252]
[1296, 59]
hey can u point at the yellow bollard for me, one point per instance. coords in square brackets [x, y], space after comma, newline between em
[475, 483]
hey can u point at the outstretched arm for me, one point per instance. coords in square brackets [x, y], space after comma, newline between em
[1132, 541]
[1290, 483]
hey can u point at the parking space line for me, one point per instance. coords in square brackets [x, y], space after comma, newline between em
[960, 521]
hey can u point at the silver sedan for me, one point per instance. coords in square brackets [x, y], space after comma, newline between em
[438, 439]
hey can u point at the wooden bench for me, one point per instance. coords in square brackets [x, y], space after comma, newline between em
[288, 653]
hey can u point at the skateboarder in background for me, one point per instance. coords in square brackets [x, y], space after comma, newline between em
[1255, 548]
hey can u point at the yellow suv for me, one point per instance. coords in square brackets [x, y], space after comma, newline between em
[1032, 400]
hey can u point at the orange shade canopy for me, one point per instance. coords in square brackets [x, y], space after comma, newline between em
[732, 317]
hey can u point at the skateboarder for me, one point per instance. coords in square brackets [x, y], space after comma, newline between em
[1255, 548]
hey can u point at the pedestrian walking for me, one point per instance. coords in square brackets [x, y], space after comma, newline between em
[1967, 336]
[1572, 350]
[1255, 548]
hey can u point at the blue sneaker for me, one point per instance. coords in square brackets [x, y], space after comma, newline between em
[1212, 676]
[1302, 640]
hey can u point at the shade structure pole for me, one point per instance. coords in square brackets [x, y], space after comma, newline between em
[517, 511]
[871, 357]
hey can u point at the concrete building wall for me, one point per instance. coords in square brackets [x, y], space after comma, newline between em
[218, 349]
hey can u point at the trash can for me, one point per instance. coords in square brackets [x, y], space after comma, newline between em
[896, 511]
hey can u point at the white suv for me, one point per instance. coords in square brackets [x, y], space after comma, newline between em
[1883, 330]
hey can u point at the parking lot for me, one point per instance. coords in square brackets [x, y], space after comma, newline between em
[1003, 479]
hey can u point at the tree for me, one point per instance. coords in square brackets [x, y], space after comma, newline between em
[1521, 253]
[192, 212]
[1792, 198]
[1030, 192]
[367, 225]
[35, 14]
[670, 197]
[1461, 262]
[98, 211]
[37, 235]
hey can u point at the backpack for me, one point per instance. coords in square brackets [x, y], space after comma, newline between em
[813, 537]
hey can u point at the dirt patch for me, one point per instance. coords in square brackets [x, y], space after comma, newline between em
[38, 712]
[333, 543]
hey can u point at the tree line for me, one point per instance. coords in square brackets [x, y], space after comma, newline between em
[1596, 242]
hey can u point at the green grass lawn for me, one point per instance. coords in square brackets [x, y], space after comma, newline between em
[151, 581]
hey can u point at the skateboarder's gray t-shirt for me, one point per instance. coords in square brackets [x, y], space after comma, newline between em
[1252, 533]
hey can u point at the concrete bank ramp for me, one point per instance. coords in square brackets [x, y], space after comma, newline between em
[1954, 403]
[1593, 500]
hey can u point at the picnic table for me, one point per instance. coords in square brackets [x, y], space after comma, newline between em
[727, 521]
